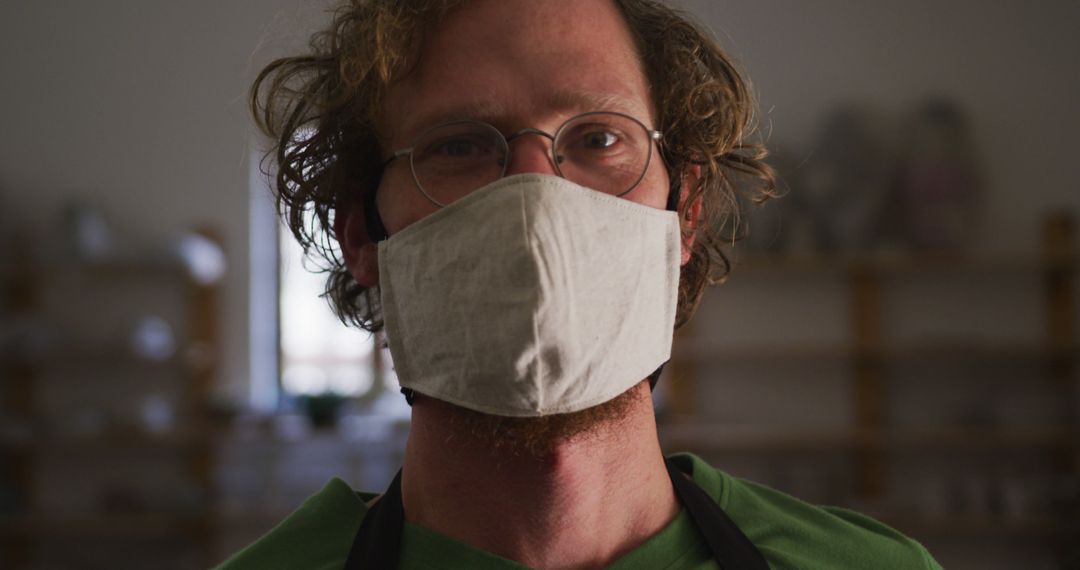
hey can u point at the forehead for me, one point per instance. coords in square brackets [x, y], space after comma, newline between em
[518, 63]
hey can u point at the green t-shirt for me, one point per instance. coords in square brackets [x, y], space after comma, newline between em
[790, 533]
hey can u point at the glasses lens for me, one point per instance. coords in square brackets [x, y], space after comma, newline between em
[607, 152]
[452, 160]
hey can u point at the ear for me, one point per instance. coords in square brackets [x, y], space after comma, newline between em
[361, 255]
[693, 213]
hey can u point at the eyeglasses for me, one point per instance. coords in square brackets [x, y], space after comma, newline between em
[606, 151]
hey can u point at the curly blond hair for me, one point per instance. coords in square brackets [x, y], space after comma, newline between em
[321, 109]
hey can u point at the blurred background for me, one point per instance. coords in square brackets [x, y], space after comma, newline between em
[898, 335]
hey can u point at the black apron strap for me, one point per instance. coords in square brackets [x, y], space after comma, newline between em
[378, 542]
[730, 547]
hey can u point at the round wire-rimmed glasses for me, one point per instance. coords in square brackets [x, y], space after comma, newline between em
[603, 150]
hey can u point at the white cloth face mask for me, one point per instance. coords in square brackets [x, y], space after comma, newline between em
[531, 296]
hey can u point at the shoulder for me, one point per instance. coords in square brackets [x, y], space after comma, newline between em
[794, 534]
[317, 535]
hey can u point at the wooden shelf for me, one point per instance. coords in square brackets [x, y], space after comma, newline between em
[989, 438]
[735, 438]
[211, 436]
[71, 357]
[958, 349]
[119, 267]
[892, 385]
[720, 437]
[104, 525]
[135, 526]
[112, 439]
[701, 350]
[900, 263]
[84, 356]
[981, 526]
[193, 358]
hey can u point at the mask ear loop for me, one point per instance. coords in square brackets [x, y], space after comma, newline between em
[655, 376]
[674, 191]
[376, 231]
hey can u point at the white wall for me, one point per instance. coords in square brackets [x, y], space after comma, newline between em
[139, 106]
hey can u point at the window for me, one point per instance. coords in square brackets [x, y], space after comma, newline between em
[319, 354]
[298, 347]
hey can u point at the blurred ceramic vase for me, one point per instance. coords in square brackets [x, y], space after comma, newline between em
[774, 226]
[89, 235]
[845, 181]
[203, 258]
[938, 185]
[156, 414]
[152, 338]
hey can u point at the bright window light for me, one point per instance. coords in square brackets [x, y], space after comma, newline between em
[319, 354]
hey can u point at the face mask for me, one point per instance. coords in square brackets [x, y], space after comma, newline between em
[531, 296]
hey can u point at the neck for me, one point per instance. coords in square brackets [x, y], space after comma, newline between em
[582, 503]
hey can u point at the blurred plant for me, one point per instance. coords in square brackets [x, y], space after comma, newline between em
[322, 409]
[846, 179]
[938, 186]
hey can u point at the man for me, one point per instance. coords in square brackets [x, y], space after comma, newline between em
[530, 196]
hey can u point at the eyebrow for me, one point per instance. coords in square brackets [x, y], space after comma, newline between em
[485, 111]
[584, 101]
[494, 112]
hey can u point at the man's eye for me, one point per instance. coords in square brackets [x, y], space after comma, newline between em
[598, 140]
[457, 148]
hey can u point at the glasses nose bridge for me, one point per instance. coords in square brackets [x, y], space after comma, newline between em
[530, 131]
[515, 165]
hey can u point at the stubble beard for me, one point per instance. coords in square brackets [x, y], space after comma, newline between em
[540, 437]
